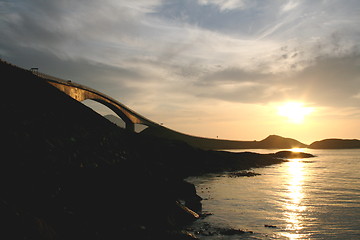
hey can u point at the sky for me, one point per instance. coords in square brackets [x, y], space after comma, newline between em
[210, 68]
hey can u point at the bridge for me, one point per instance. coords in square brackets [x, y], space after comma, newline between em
[81, 93]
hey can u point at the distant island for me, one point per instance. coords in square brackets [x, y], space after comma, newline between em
[270, 142]
[335, 143]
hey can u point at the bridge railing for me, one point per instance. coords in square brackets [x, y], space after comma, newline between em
[69, 83]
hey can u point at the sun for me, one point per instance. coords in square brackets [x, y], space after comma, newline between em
[294, 111]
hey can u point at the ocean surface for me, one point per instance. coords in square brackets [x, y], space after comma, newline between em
[312, 198]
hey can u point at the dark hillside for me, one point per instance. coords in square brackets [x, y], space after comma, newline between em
[68, 173]
[72, 171]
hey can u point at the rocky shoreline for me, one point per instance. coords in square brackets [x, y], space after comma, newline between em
[71, 174]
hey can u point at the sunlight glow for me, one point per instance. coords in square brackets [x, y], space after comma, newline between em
[295, 183]
[298, 150]
[294, 111]
[294, 206]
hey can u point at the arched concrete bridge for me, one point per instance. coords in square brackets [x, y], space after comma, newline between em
[81, 93]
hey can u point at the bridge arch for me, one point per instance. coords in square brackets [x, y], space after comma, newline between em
[129, 125]
[81, 93]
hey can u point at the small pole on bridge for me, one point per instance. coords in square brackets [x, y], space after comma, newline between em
[34, 70]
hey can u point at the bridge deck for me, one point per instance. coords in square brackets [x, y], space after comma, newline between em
[81, 93]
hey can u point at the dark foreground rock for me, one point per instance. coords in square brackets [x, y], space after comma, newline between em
[206, 230]
[243, 174]
[68, 173]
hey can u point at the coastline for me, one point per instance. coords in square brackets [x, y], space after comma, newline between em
[295, 197]
[71, 174]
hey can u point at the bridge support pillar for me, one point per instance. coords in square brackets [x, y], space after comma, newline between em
[130, 126]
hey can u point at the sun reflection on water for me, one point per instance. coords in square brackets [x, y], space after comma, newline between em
[293, 207]
[297, 149]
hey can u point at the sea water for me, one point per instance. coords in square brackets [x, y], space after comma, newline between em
[312, 198]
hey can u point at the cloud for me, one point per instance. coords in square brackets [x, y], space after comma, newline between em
[72, 29]
[170, 54]
[224, 4]
[113, 33]
[328, 82]
[290, 5]
[332, 81]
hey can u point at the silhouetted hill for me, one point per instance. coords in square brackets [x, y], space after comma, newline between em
[334, 143]
[68, 173]
[277, 142]
[271, 142]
